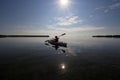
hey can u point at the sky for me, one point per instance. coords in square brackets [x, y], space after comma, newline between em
[80, 17]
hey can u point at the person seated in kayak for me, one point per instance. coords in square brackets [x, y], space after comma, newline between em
[56, 39]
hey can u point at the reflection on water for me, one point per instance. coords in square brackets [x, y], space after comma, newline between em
[58, 46]
[62, 48]
[63, 66]
[81, 59]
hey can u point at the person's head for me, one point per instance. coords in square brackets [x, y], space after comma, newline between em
[56, 37]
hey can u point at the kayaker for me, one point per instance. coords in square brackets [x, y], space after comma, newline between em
[56, 39]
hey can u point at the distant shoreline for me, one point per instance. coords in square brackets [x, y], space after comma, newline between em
[107, 36]
[4, 36]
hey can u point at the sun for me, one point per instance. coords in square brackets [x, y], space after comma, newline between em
[64, 3]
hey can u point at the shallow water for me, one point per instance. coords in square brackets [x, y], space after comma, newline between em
[82, 59]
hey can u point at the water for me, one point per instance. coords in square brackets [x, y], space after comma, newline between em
[82, 59]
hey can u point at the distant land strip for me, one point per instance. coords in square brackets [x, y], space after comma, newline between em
[107, 36]
[3, 36]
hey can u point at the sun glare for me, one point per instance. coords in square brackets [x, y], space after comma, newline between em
[64, 3]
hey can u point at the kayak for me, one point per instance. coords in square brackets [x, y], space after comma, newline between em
[62, 44]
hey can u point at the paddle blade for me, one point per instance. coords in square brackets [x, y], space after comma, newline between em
[63, 34]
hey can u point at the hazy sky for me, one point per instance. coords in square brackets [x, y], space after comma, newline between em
[51, 16]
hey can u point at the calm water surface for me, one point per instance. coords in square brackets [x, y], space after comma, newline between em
[82, 59]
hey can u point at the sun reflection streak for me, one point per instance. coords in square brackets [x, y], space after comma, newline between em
[63, 66]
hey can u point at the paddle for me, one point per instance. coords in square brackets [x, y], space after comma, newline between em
[62, 34]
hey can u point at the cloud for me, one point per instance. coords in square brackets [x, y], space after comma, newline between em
[107, 10]
[112, 7]
[91, 16]
[109, 7]
[75, 29]
[99, 8]
[115, 6]
[68, 20]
